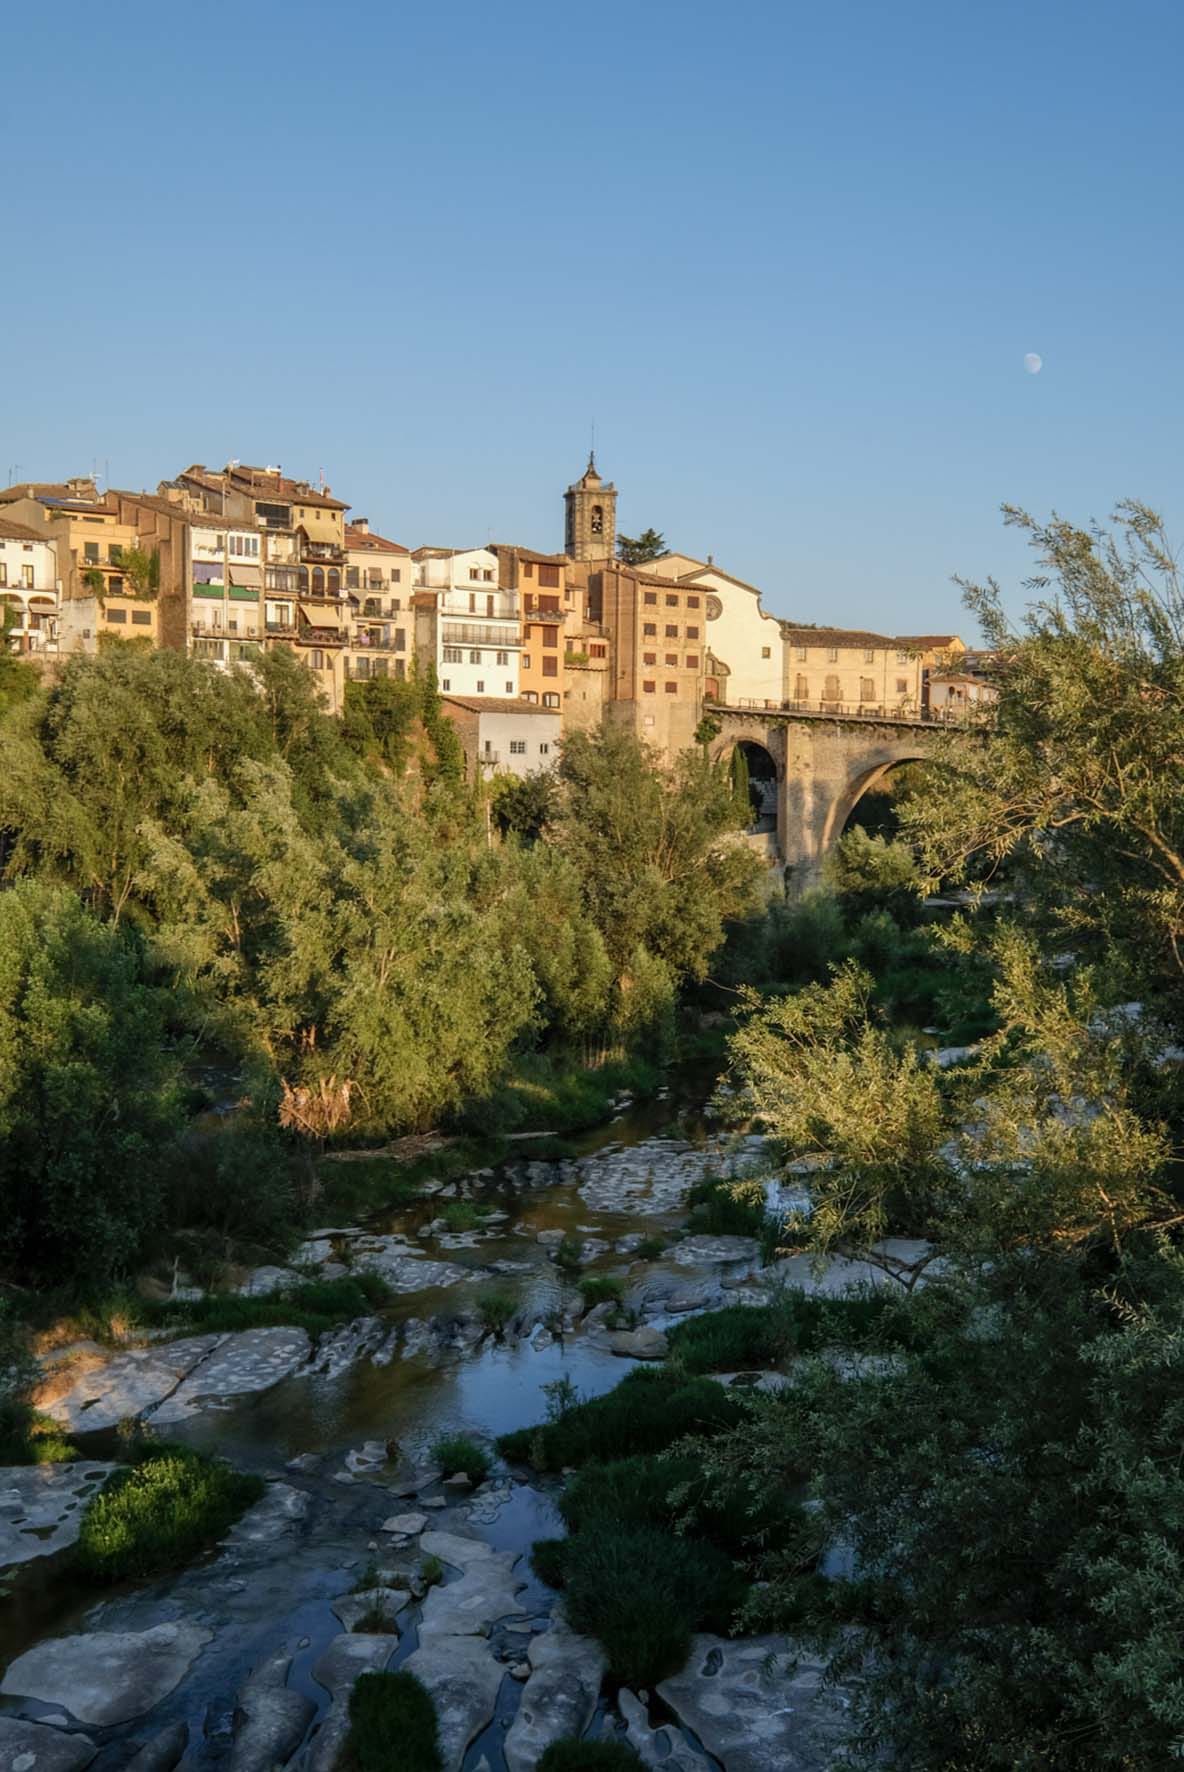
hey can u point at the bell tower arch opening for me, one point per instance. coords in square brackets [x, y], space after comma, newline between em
[590, 529]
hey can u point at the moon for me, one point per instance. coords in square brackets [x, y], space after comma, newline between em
[1033, 364]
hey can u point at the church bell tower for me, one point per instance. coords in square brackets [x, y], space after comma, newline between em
[591, 532]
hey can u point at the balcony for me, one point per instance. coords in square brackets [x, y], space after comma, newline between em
[323, 550]
[371, 645]
[310, 636]
[476, 633]
[281, 627]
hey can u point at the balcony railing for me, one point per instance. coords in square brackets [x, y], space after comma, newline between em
[319, 637]
[322, 550]
[476, 633]
[367, 645]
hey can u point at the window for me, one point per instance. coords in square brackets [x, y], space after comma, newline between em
[352, 578]
[597, 519]
[400, 639]
[672, 659]
[671, 631]
[544, 750]
[474, 658]
[801, 655]
[832, 655]
[3, 573]
[550, 667]
[27, 577]
[549, 577]
[551, 700]
[649, 658]
[517, 747]
[902, 658]
[832, 691]
[672, 688]
[452, 655]
[869, 655]
[488, 602]
[115, 585]
[446, 685]
[528, 568]
[692, 602]
[91, 551]
[318, 582]
[488, 577]
[551, 637]
[525, 661]
[115, 552]
[650, 629]
[650, 597]
[472, 602]
[530, 695]
[766, 652]
[598, 651]
[867, 689]
[317, 661]
[142, 618]
[509, 689]
[117, 615]
[692, 633]
[396, 575]
[671, 602]
[801, 688]
[902, 686]
[503, 659]
[480, 687]
[692, 662]
[649, 688]
[474, 572]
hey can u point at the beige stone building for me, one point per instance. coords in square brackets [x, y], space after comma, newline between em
[849, 671]
[745, 667]
[90, 535]
[379, 577]
[590, 529]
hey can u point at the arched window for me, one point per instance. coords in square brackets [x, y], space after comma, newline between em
[304, 578]
[598, 519]
[334, 582]
[318, 581]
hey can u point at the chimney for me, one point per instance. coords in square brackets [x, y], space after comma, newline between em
[361, 524]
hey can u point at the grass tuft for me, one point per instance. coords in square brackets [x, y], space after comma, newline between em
[392, 1723]
[646, 1412]
[459, 1452]
[589, 1756]
[163, 1512]
[600, 1289]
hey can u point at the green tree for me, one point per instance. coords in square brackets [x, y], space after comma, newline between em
[637, 550]
[874, 873]
[86, 1111]
[522, 805]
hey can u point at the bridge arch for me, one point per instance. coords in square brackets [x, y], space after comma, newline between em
[865, 776]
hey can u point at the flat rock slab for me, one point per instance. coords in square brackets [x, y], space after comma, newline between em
[708, 1251]
[754, 1706]
[261, 1282]
[124, 1386]
[41, 1506]
[105, 1677]
[463, 1679]
[472, 1606]
[406, 1271]
[33, 1747]
[280, 1512]
[161, 1751]
[251, 1361]
[559, 1697]
[351, 1609]
[450, 1547]
[407, 1524]
[348, 1656]
[665, 1748]
[271, 1721]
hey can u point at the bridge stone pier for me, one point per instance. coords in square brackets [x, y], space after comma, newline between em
[824, 764]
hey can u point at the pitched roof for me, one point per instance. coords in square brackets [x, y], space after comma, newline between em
[365, 540]
[811, 636]
[492, 704]
[927, 642]
[45, 489]
[20, 532]
[512, 547]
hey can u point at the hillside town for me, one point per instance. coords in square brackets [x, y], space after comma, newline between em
[527, 646]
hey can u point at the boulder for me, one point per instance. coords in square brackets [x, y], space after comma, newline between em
[707, 1251]
[559, 1697]
[350, 1655]
[351, 1609]
[646, 1343]
[755, 1706]
[270, 1720]
[664, 1748]
[161, 1751]
[105, 1677]
[486, 1592]
[463, 1679]
[34, 1747]
[279, 1512]
[407, 1524]
[261, 1282]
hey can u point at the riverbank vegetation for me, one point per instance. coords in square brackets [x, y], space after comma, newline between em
[156, 1515]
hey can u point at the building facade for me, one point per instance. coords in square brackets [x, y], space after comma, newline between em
[378, 583]
[28, 590]
[504, 738]
[467, 623]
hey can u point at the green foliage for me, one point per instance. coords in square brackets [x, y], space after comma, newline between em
[589, 1756]
[379, 717]
[315, 1305]
[647, 1412]
[25, 1436]
[722, 1208]
[546, 1560]
[431, 1571]
[649, 1249]
[637, 550]
[496, 1306]
[643, 1592]
[392, 1722]
[85, 1104]
[569, 1253]
[161, 1513]
[459, 1452]
[521, 806]
[741, 786]
[600, 1289]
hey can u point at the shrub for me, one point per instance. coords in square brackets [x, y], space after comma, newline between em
[25, 1436]
[646, 1412]
[673, 1491]
[378, 1619]
[161, 1513]
[458, 1452]
[569, 1254]
[729, 1208]
[315, 1305]
[741, 1335]
[392, 1722]
[495, 1306]
[431, 1571]
[642, 1592]
[589, 1756]
[600, 1289]
[649, 1249]
[461, 1215]
[546, 1559]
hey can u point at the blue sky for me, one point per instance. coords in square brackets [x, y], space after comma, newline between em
[788, 258]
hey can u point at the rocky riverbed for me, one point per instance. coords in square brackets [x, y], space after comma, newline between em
[247, 1658]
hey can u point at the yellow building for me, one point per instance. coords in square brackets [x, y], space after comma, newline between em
[849, 671]
[97, 599]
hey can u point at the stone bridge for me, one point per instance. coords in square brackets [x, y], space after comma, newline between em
[810, 768]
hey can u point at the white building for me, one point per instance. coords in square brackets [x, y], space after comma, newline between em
[744, 644]
[466, 622]
[29, 588]
[226, 580]
[504, 738]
